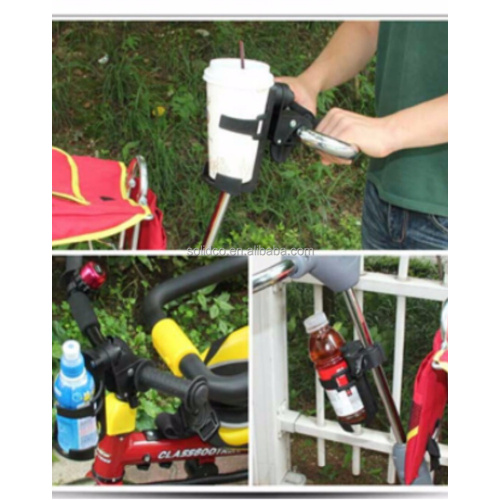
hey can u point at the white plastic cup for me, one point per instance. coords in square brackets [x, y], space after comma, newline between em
[236, 93]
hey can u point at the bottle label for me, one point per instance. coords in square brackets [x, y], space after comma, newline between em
[77, 434]
[346, 402]
[87, 432]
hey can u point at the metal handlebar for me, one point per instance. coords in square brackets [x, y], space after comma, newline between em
[327, 144]
[139, 162]
[272, 275]
[444, 324]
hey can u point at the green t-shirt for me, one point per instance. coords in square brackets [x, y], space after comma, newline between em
[412, 67]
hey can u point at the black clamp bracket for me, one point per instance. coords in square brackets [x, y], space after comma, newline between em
[287, 118]
[188, 421]
[116, 364]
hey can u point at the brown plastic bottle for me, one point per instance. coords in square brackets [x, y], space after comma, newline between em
[324, 352]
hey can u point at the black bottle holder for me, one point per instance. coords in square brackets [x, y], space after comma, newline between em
[94, 409]
[279, 124]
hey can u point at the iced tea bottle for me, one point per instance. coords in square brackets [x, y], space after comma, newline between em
[325, 353]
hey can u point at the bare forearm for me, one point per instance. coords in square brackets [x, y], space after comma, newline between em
[423, 125]
[347, 53]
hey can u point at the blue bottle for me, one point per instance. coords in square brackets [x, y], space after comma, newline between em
[74, 389]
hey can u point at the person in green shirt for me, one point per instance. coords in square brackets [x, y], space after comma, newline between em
[406, 198]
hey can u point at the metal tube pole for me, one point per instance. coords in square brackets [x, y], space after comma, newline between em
[216, 221]
[272, 275]
[378, 373]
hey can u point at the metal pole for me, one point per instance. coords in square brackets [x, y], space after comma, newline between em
[272, 275]
[216, 221]
[378, 373]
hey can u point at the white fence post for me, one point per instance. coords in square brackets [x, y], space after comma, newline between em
[358, 429]
[320, 392]
[399, 351]
[269, 444]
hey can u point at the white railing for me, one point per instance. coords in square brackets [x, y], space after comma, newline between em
[274, 466]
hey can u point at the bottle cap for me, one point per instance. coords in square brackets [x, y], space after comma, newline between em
[72, 364]
[315, 322]
[71, 352]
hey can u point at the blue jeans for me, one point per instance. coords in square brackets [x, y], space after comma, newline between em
[386, 227]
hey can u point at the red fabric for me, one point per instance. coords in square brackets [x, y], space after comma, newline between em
[430, 395]
[100, 185]
[61, 174]
[152, 235]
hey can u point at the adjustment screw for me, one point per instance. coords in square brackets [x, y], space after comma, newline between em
[293, 124]
[130, 372]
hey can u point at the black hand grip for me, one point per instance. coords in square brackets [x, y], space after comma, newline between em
[73, 263]
[194, 393]
[231, 390]
[82, 311]
[188, 283]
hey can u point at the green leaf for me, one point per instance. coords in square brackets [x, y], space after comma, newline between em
[214, 311]
[150, 408]
[202, 300]
[56, 351]
[145, 261]
[208, 290]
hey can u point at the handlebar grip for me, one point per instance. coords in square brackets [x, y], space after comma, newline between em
[327, 144]
[192, 392]
[188, 283]
[172, 344]
[73, 263]
[82, 311]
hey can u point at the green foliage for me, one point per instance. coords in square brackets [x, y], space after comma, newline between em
[205, 316]
[106, 107]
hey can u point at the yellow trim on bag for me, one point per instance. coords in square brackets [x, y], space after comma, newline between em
[75, 181]
[412, 433]
[234, 437]
[172, 344]
[437, 359]
[105, 233]
[120, 417]
[443, 365]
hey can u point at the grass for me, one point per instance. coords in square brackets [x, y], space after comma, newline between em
[110, 79]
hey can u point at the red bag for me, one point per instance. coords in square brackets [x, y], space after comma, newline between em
[430, 396]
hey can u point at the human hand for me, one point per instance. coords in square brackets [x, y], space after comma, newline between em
[372, 136]
[304, 94]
